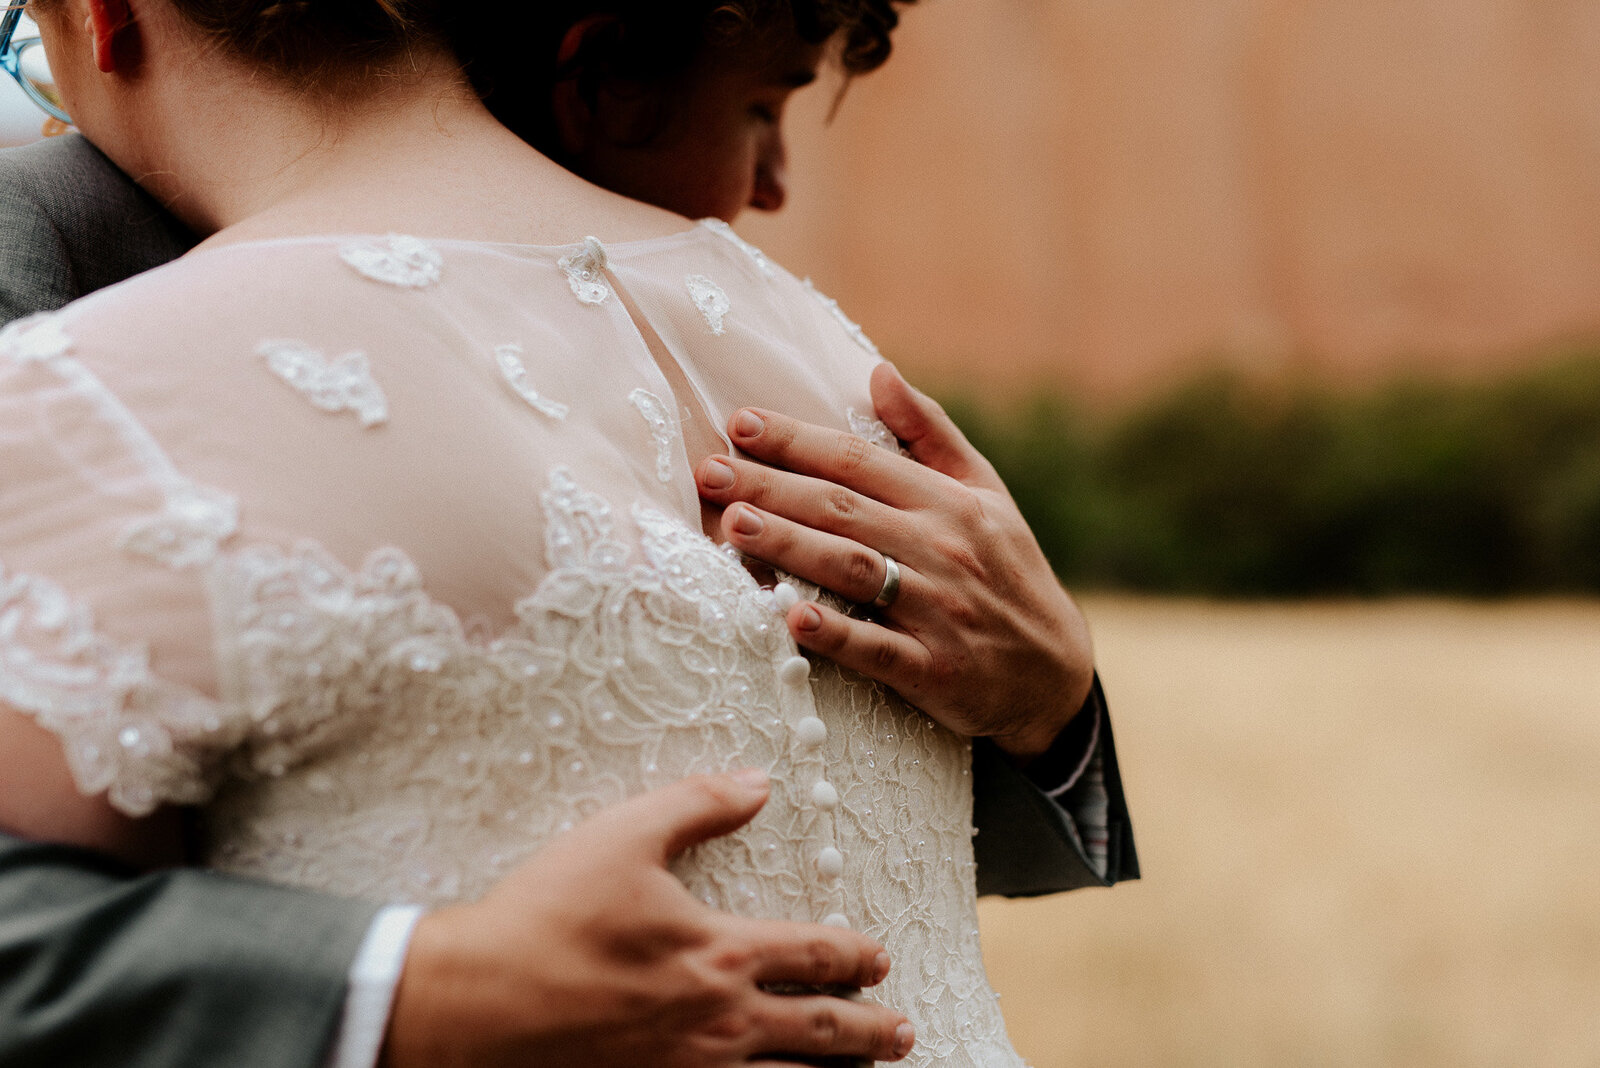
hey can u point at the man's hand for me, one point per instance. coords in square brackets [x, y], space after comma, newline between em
[592, 954]
[981, 637]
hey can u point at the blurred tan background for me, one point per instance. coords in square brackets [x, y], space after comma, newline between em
[1098, 193]
[1368, 838]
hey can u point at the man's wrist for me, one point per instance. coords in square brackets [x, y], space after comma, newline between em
[1061, 765]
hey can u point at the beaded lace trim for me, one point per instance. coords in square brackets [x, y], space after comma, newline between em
[399, 260]
[710, 299]
[344, 384]
[508, 358]
[586, 271]
[663, 429]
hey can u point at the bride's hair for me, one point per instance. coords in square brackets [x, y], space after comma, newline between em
[648, 44]
[309, 42]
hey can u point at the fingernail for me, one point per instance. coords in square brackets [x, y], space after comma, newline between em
[905, 1036]
[754, 778]
[748, 424]
[810, 618]
[747, 521]
[880, 966]
[718, 475]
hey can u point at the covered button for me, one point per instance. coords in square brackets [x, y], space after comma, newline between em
[785, 597]
[830, 862]
[823, 795]
[795, 671]
[811, 732]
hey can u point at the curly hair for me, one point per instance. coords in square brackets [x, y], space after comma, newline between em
[650, 44]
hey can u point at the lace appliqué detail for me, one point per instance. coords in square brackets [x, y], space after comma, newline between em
[304, 616]
[726, 232]
[402, 261]
[187, 531]
[874, 430]
[122, 728]
[710, 299]
[509, 359]
[851, 327]
[35, 339]
[346, 384]
[395, 752]
[663, 429]
[586, 271]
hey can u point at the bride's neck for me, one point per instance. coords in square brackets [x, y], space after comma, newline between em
[244, 157]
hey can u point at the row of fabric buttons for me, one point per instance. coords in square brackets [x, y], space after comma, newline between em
[810, 732]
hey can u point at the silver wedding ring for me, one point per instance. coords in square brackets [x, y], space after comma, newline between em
[891, 583]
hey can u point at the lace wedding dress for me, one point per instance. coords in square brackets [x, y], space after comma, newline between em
[391, 557]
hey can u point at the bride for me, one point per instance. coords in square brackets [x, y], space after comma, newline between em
[373, 525]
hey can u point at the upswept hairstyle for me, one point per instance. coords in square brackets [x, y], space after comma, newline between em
[309, 42]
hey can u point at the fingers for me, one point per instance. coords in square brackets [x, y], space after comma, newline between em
[813, 502]
[845, 566]
[666, 821]
[813, 955]
[892, 657]
[835, 457]
[812, 1026]
[932, 436]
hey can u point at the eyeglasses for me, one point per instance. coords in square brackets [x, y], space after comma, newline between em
[23, 59]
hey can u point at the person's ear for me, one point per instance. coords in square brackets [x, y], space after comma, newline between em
[574, 99]
[110, 24]
[574, 118]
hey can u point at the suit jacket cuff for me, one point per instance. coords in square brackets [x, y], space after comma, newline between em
[1032, 843]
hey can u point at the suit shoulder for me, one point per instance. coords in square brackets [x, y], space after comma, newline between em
[38, 172]
[35, 264]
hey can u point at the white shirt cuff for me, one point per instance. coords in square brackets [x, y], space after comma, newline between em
[374, 975]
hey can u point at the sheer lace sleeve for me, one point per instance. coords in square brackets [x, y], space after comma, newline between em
[101, 542]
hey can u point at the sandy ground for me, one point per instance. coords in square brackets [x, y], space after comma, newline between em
[1368, 836]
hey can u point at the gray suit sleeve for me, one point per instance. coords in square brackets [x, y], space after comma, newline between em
[100, 967]
[1029, 843]
[72, 224]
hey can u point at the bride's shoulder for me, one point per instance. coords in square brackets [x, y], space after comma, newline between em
[203, 285]
[238, 291]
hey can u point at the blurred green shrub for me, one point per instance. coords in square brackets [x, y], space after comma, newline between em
[1231, 489]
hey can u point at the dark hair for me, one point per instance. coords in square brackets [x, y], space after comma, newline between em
[645, 43]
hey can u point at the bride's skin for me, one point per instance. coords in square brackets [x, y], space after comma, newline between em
[591, 952]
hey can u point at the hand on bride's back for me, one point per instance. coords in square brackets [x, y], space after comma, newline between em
[593, 954]
[980, 634]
